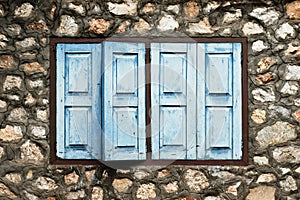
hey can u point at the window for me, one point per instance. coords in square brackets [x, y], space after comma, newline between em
[149, 101]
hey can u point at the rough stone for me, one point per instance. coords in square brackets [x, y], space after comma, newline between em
[122, 185]
[265, 63]
[1, 152]
[11, 133]
[233, 189]
[12, 82]
[141, 174]
[211, 6]
[293, 50]
[3, 41]
[98, 26]
[258, 46]
[266, 178]
[292, 72]
[263, 95]
[167, 23]
[5, 191]
[278, 133]
[173, 8]
[71, 178]
[251, 28]
[18, 115]
[2, 11]
[290, 88]
[29, 175]
[191, 9]
[296, 115]
[77, 8]
[97, 193]
[259, 116]
[80, 194]
[261, 160]
[123, 27]
[289, 184]
[68, 26]
[14, 29]
[148, 8]
[298, 170]
[171, 187]
[3, 106]
[141, 26]
[31, 152]
[14, 178]
[90, 175]
[281, 110]
[36, 84]
[38, 26]
[265, 78]
[202, 27]
[195, 180]
[29, 100]
[230, 17]
[28, 56]
[284, 170]
[29, 196]
[146, 191]
[285, 31]
[224, 175]
[267, 192]
[27, 43]
[290, 154]
[163, 173]
[38, 131]
[45, 184]
[269, 16]
[31, 68]
[128, 8]
[25, 10]
[42, 115]
[7, 62]
[293, 10]
[209, 198]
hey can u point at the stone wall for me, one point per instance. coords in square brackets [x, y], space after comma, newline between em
[272, 29]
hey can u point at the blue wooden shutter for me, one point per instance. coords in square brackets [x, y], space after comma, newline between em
[173, 100]
[78, 132]
[219, 101]
[124, 101]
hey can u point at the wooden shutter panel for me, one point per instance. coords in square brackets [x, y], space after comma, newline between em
[173, 100]
[124, 101]
[78, 118]
[219, 101]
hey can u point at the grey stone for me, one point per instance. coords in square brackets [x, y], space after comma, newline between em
[266, 178]
[167, 23]
[224, 175]
[1, 152]
[14, 29]
[128, 8]
[45, 184]
[263, 95]
[279, 109]
[267, 15]
[2, 11]
[298, 170]
[285, 31]
[80, 194]
[290, 88]
[42, 115]
[258, 46]
[77, 8]
[141, 174]
[289, 184]
[14, 178]
[68, 26]
[261, 160]
[278, 133]
[25, 10]
[38, 131]
[18, 115]
[292, 72]
[173, 8]
[232, 17]
[284, 170]
[211, 6]
[290, 154]
[36, 84]
[27, 43]
[29, 196]
[3, 41]
[251, 28]
[12, 82]
[196, 180]
[233, 189]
